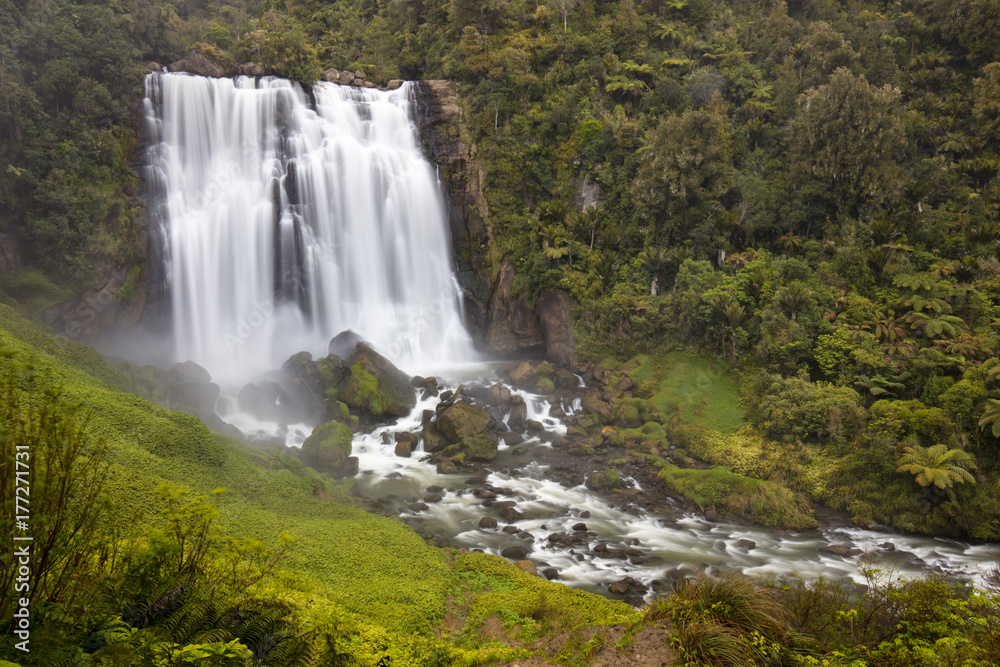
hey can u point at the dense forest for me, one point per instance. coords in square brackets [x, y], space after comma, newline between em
[805, 191]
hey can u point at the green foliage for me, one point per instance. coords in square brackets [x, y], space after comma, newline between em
[749, 499]
[937, 465]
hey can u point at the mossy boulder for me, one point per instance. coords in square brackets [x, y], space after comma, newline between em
[433, 440]
[527, 375]
[376, 386]
[593, 404]
[476, 448]
[328, 447]
[462, 420]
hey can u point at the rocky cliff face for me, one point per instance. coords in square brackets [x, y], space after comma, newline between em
[442, 129]
[503, 322]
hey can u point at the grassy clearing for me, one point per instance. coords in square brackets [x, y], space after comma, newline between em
[702, 389]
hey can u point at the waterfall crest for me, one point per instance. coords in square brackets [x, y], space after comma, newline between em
[288, 220]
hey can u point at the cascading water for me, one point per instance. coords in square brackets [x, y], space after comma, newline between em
[288, 222]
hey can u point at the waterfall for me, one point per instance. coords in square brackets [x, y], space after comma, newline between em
[288, 218]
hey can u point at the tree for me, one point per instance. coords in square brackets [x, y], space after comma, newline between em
[793, 297]
[564, 7]
[49, 452]
[937, 466]
[991, 417]
[730, 309]
[685, 164]
[847, 136]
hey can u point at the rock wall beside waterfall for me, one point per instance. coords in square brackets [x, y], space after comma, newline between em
[443, 130]
[501, 321]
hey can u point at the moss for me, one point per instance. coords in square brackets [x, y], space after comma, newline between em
[750, 499]
[362, 391]
[545, 385]
[328, 446]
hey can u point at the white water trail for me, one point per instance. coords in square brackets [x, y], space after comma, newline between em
[288, 222]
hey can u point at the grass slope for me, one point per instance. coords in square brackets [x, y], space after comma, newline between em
[384, 584]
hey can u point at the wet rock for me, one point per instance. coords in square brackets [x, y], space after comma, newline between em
[619, 587]
[584, 514]
[343, 344]
[593, 404]
[887, 546]
[426, 417]
[527, 566]
[460, 421]
[474, 481]
[487, 522]
[580, 527]
[518, 413]
[418, 506]
[534, 426]
[328, 447]
[565, 379]
[511, 515]
[377, 386]
[746, 544]
[331, 75]
[446, 467]
[188, 371]
[550, 573]
[712, 515]
[346, 78]
[512, 439]
[393, 84]
[515, 553]
[405, 444]
[841, 551]
[434, 488]
[431, 498]
[510, 529]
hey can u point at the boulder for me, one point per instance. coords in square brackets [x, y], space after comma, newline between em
[515, 553]
[406, 443]
[550, 573]
[368, 84]
[462, 420]
[328, 447]
[346, 78]
[305, 386]
[376, 386]
[518, 413]
[592, 404]
[197, 63]
[566, 380]
[527, 566]
[487, 522]
[188, 371]
[433, 440]
[197, 398]
[841, 551]
[528, 375]
[746, 544]
[394, 84]
[152, 66]
[360, 75]
[555, 315]
[343, 344]
[331, 75]
[478, 448]
[251, 69]
[510, 514]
